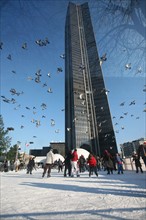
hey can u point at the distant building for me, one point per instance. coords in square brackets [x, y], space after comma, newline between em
[39, 152]
[58, 147]
[128, 147]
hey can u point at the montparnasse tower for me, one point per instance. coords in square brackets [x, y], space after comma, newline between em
[87, 114]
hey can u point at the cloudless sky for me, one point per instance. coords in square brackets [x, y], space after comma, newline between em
[27, 21]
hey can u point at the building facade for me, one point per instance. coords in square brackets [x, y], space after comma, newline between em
[128, 148]
[58, 147]
[87, 114]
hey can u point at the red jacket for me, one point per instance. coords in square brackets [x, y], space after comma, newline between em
[74, 156]
[92, 161]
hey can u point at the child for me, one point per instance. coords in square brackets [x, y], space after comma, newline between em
[119, 163]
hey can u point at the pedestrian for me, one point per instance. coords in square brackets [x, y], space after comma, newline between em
[74, 163]
[6, 165]
[67, 163]
[142, 152]
[136, 159]
[82, 163]
[119, 162]
[11, 165]
[91, 160]
[60, 165]
[49, 163]
[30, 165]
[16, 164]
[98, 163]
[113, 158]
[108, 163]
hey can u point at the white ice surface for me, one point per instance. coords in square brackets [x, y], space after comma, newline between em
[29, 197]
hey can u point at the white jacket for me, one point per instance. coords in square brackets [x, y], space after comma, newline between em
[49, 158]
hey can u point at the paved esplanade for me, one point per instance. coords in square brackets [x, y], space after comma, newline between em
[25, 196]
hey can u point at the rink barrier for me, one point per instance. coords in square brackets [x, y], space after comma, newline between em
[129, 165]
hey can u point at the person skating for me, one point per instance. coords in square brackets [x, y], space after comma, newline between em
[74, 163]
[30, 165]
[119, 162]
[67, 163]
[108, 163]
[91, 160]
[136, 159]
[49, 163]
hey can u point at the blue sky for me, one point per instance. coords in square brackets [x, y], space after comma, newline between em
[27, 21]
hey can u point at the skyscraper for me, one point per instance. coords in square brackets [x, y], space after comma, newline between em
[87, 114]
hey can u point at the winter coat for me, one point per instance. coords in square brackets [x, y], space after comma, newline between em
[74, 156]
[137, 161]
[92, 161]
[68, 159]
[107, 158]
[109, 164]
[82, 160]
[49, 158]
[31, 163]
[17, 162]
[119, 160]
[60, 163]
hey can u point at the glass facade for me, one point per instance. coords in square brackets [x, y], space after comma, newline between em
[87, 113]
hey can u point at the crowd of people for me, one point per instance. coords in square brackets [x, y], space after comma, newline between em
[74, 165]
[18, 165]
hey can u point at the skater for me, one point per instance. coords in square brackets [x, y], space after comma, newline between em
[119, 162]
[74, 163]
[49, 163]
[6, 166]
[82, 164]
[142, 152]
[137, 162]
[60, 165]
[16, 165]
[30, 165]
[67, 163]
[108, 163]
[91, 160]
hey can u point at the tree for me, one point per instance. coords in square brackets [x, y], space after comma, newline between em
[11, 154]
[131, 12]
[4, 139]
[121, 32]
[122, 15]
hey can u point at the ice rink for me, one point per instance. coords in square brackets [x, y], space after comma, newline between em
[30, 197]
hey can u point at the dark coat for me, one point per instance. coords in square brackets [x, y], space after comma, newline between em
[107, 158]
[31, 163]
[137, 161]
[68, 159]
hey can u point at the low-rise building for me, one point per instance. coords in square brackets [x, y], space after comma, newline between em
[58, 147]
[129, 147]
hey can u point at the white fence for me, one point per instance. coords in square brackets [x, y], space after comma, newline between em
[129, 165]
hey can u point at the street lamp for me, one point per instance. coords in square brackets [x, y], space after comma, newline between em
[122, 150]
